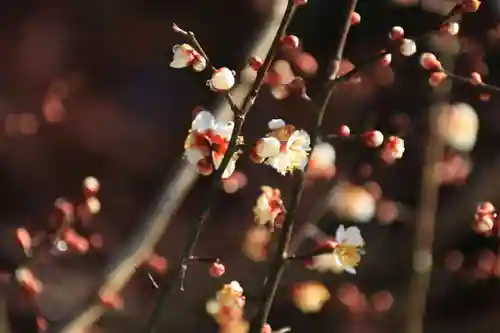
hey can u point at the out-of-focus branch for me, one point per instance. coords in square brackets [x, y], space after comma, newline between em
[427, 211]
[123, 266]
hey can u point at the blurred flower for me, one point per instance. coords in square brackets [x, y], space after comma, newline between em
[353, 202]
[310, 297]
[268, 207]
[322, 161]
[458, 126]
[208, 141]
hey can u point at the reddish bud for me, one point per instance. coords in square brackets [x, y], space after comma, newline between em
[344, 130]
[396, 33]
[41, 323]
[266, 328]
[429, 61]
[217, 269]
[255, 63]
[24, 238]
[299, 2]
[355, 18]
[290, 42]
[76, 241]
[157, 262]
[373, 139]
[90, 186]
[111, 301]
[436, 78]
[386, 59]
[272, 78]
[476, 78]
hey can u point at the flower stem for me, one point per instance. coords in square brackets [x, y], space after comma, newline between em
[280, 259]
[180, 271]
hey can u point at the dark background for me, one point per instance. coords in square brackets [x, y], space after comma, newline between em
[125, 120]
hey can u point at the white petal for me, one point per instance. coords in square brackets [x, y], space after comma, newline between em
[340, 235]
[203, 121]
[224, 129]
[223, 79]
[193, 156]
[353, 236]
[280, 162]
[179, 62]
[350, 270]
[299, 140]
[268, 147]
[276, 123]
[212, 307]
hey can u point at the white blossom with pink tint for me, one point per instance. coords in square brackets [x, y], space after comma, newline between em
[458, 126]
[185, 55]
[208, 141]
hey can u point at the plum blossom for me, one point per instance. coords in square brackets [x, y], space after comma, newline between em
[228, 303]
[207, 142]
[284, 148]
[222, 80]
[268, 206]
[458, 126]
[185, 55]
[345, 255]
[393, 149]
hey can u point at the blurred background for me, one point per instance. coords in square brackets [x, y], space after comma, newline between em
[86, 90]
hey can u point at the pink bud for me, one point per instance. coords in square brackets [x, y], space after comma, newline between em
[355, 18]
[290, 42]
[396, 33]
[255, 63]
[111, 301]
[157, 262]
[373, 139]
[217, 269]
[299, 2]
[344, 130]
[24, 238]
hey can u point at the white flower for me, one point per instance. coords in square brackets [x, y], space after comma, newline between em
[183, 56]
[458, 126]
[268, 206]
[346, 254]
[323, 155]
[207, 142]
[285, 148]
[222, 79]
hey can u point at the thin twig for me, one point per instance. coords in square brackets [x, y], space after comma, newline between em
[248, 102]
[373, 60]
[321, 208]
[279, 261]
[191, 37]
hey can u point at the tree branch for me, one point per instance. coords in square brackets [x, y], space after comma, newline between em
[279, 261]
[248, 102]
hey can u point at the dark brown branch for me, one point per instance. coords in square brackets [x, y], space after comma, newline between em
[181, 269]
[278, 263]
